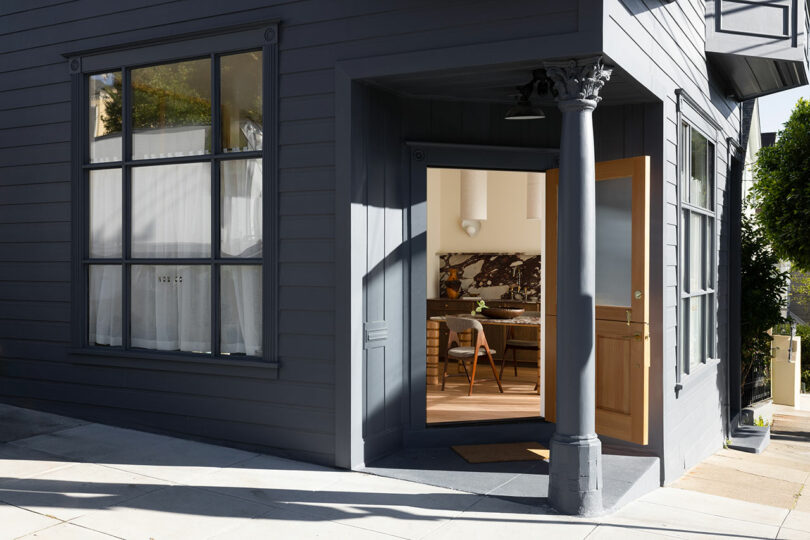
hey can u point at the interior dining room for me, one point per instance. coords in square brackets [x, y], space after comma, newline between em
[485, 269]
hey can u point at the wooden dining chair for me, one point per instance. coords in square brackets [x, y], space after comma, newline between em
[516, 345]
[456, 325]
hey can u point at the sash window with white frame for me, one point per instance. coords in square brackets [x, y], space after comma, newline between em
[173, 191]
[698, 275]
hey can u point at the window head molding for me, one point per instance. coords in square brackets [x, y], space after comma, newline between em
[221, 158]
[687, 104]
[176, 46]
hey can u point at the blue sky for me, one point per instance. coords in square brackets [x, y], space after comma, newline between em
[774, 110]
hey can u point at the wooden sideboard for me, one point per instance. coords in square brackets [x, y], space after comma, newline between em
[437, 333]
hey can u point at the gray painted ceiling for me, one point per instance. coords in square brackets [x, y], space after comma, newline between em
[498, 84]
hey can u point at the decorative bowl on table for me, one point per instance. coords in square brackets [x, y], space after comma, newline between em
[501, 312]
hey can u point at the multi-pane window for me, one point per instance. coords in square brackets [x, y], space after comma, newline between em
[173, 177]
[697, 272]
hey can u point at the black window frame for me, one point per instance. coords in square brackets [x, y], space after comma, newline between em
[215, 44]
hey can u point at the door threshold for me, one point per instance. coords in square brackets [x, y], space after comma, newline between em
[496, 421]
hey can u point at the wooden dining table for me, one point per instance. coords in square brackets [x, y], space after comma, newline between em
[433, 331]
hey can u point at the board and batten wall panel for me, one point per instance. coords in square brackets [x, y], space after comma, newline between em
[295, 413]
[663, 47]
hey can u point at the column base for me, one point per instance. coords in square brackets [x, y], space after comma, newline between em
[575, 474]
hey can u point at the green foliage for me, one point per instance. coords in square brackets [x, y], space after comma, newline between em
[782, 189]
[481, 305]
[112, 97]
[800, 282]
[762, 297]
[163, 96]
[761, 422]
[802, 331]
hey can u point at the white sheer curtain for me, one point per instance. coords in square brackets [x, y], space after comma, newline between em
[170, 305]
[104, 313]
[171, 211]
[171, 218]
[241, 236]
[105, 213]
[241, 229]
[241, 292]
[104, 281]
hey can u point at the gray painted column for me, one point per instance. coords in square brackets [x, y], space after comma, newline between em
[575, 477]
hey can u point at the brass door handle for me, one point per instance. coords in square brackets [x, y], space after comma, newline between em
[627, 312]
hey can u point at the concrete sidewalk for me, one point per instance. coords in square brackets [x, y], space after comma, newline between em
[66, 479]
[779, 476]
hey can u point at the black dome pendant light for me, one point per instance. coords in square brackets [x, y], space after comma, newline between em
[523, 109]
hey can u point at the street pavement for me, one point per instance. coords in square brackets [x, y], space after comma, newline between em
[65, 479]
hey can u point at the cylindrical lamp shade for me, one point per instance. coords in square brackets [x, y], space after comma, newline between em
[534, 195]
[473, 194]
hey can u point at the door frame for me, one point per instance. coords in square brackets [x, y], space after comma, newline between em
[422, 156]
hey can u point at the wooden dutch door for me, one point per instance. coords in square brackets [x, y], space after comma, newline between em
[622, 297]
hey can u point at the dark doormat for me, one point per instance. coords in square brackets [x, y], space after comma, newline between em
[497, 453]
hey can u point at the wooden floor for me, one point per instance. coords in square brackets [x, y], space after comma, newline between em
[519, 399]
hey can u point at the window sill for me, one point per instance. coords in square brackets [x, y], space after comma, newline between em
[220, 366]
[701, 372]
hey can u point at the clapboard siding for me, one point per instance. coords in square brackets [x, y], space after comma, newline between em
[250, 435]
[295, 413]
[307, 179]
[296, 297]
[317, 130]
[306, 251]
[29, 310]
[36, 330]
[14, 250]
[33, 231]
[39, 115]
[672, 41]
[253, 391]
[35, 95]
[307, 83]
[35, 212]
[31, 77]
[41, 153]
[312, 227]
[23, 290]
[56, 132]
[33, 174]
[16, 6]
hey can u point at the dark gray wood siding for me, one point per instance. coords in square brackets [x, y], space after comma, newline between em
[238, 405]
[663, 47]
[660, 45]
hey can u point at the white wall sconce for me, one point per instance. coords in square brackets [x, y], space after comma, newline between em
[534, 195]
[471, 226]
[473, 200]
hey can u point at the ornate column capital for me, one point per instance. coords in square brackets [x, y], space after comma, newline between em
[578, 79]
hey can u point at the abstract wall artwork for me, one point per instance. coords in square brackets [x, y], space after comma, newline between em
[491, 276]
